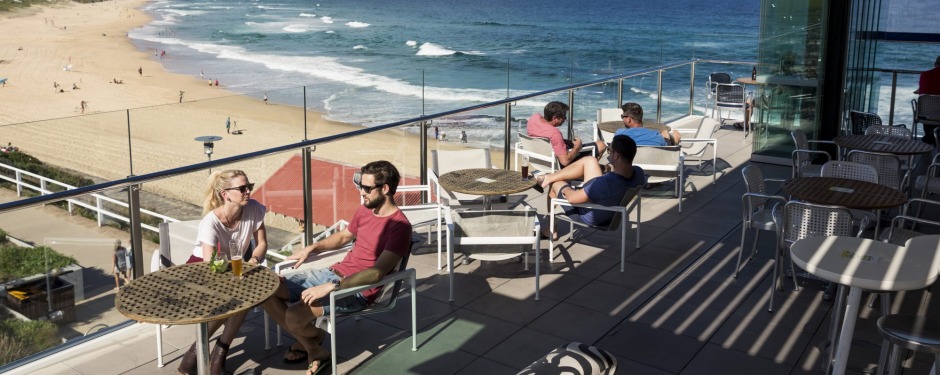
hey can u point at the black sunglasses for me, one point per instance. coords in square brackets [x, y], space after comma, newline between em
[357, 179]
[243, 189]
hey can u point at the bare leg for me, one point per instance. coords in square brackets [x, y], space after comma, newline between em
[299, 321]
[582, 169]
[601, 146]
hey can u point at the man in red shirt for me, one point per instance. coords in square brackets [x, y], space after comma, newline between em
[930, 80]
[930, 85]
[546, 126]
[383, 236]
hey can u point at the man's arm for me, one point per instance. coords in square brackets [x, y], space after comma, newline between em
[571, 154]
[336, 241]
[574, 196]
[385, 264]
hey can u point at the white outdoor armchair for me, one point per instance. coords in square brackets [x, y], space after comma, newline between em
[621, 219]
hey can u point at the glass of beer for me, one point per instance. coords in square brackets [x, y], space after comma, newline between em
[524, 166]
[234, 248]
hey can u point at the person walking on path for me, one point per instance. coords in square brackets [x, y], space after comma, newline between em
[121, 261]
[228, 125]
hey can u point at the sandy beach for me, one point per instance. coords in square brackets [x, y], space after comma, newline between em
[37, 45]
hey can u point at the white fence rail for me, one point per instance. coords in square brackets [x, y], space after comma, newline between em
[98, 207]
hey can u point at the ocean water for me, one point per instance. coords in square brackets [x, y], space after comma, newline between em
[376, 61]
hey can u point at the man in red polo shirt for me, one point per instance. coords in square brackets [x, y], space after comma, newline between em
[546, 126]
[930, 80]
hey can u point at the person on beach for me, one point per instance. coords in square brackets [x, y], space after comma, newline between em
[265, 98]
[228, 125]
[181, 95]
[121, 262]
[463, 136]
[437, 133]
[74, 86]
[55, 86]
[546, 125]
[605, 189]
[633, 127]
[382, 236]
[140, 71]
[84, 104]
[232, 219]
[217, 82]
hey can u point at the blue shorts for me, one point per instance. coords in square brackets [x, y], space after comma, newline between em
[298, 281]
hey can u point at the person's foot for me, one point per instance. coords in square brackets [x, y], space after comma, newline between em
[317, 365]
[539, 180]
[545, 234]
[295, 354]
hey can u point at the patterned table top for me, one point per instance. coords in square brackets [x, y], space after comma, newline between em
[844, 192]
[191, 293]
[613, 126]
[883, 143]
[485, 181]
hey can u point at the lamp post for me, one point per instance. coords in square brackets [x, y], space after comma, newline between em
[208, 145]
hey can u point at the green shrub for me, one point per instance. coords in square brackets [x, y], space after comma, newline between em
[17, 262]
[19, 338]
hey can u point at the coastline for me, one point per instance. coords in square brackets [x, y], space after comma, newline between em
[37, 45]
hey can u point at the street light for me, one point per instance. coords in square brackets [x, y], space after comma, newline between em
[207, 145]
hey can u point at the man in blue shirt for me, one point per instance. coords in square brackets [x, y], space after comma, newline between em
[633, 121]
[605, 189]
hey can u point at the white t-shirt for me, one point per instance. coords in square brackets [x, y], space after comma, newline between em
[213, 233]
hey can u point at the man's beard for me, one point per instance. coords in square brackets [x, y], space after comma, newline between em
[374, 203]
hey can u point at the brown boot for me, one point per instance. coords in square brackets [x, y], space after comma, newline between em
[188, 363]
[217, 360]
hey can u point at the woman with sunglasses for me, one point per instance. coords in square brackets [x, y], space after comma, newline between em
[231, 220]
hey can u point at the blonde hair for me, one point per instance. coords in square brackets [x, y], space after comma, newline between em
[216, 182]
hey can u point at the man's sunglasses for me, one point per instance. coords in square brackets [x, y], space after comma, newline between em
[243, 189]
[357, 179]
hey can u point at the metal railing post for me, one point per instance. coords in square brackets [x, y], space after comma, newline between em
[133, 201]
[619, 92]
[423, 162]
[308, 195]
[99, 211]
[894, 90]
[659, 98]
[507, 142]
[692, 91]
[19, 184]
[571, 114]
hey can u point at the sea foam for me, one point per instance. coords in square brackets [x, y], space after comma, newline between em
[326, 19]
[411, 43]
[357, 24]
[306, 15]
[431, 49]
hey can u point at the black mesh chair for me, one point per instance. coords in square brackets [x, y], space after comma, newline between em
[859, 121]
[714, 80]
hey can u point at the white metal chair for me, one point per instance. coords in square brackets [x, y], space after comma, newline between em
[492, 236]
[888, 166]
[757, 213]
[443, 161]
[798, 220]
[392, 285]
[662, 164]
[606, 115]
[903, 226]
[802, 156]
[694, 148]
[621, 219]
[714, 79]
[539, 150]
[731, 97]
[855, 171]
[177, 240]
[892, 131]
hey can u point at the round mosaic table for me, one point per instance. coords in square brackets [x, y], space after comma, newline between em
[844, 192]
[883, 143]
[485, 182]
[192, 294]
